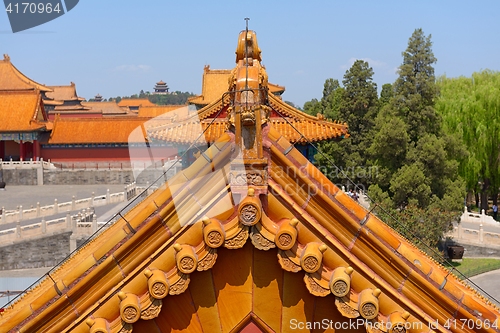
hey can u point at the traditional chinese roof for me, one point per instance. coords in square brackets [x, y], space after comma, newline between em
[290, 123]
[70, 108]
[12, 79]
[96, 130]
[250, 237]
[135, 102]
[179, 111]
[62, 93]
[215, 83]
[107, 108]
[199, 261]
[21, 111]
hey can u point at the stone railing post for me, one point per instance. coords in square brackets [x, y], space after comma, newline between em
[18, 229]
[68, 222]
[483, 216]
[481, 233]
[20, 213]
[76, 220]
[72, 243]
[73, 203]
[94, 223]
[91, 203]
[108, 197]
[125, 193]
[56, 207]
[44, 226]
[38, 209]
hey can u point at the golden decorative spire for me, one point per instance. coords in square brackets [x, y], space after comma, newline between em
[248, 88]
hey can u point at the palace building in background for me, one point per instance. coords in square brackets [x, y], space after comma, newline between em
[250, 237]
[54, 123]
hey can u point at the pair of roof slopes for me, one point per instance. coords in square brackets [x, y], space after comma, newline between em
[61, 94]
[291, 123]
[163, 260]
[178, 125]
[12, 79]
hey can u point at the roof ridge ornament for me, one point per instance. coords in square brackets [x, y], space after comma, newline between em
[248, 90]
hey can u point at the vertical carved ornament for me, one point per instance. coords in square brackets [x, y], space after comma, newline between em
[158, 285]
[340, 282]
[397, 322]
[368, 305]
[98, 325]
[312, 257]
[250, 210]
[185, 258]
[130, 307]
[214, 234]
[287, 234]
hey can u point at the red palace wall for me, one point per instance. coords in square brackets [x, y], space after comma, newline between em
[75, 115]
[107, 154]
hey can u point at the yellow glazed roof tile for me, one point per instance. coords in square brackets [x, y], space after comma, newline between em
[94, 130]
[12, 79]
[304, 249]
[140, 244]
[21, 111]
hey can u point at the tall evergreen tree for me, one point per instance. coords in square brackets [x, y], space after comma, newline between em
[415, 89]
[359, 103]
[418, 171]
[356, 103]
[386, 94]
[418, 135]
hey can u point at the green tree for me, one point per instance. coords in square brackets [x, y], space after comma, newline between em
[328, 101]
[386, 94]
[408, 128]
[418, 166]
[423, 227]
[389, 147]
[174, 98]
[359, 103]
[470, 108]
[313, 107]
[356, 103]
[415, 89]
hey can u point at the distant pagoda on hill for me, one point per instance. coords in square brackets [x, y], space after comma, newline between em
[161, 88]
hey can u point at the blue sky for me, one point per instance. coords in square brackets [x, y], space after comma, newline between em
[117, 47]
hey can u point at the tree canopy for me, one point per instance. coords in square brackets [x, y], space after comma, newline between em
[356, 103]
[174, 98]
[470, 108]
[400, 136]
